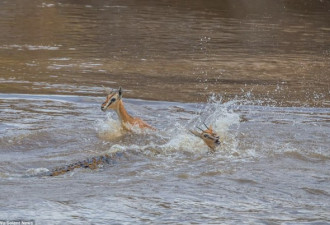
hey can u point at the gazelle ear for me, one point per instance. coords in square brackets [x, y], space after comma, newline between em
[207, 126]
[200, 129]
[120, 92]
[107, 90]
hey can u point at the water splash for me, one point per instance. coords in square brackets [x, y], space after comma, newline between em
[110, 129]
[176, 137]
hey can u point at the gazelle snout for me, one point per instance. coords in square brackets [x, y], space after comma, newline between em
[103, 107]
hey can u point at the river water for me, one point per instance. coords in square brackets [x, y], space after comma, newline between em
[258, 71]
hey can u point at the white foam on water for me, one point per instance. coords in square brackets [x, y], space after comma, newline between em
[41, 47]
[110, 129]
[184, 142]
[60, 59]
[246, 132]
[116, 148]
[36, 171]
[176, 137]
[30, 47]
[47, 5]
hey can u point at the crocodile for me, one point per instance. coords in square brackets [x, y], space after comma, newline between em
[90, 163]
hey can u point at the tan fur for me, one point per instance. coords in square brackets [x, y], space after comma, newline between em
[114, 102]
[210, 138]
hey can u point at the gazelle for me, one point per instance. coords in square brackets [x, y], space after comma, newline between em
[210, 138]
[114, 101]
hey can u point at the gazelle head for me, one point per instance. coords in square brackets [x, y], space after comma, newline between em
[112, 100]
[210, 138]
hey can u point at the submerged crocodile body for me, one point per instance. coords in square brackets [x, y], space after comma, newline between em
[91, 163]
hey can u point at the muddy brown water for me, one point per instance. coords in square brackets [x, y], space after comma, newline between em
[258, 71]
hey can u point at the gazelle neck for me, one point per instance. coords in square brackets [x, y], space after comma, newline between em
[122, 113]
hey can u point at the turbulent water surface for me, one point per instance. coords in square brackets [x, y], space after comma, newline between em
[257, 71]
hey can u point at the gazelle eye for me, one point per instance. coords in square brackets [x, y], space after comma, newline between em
[114, 99]
[206, 136]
